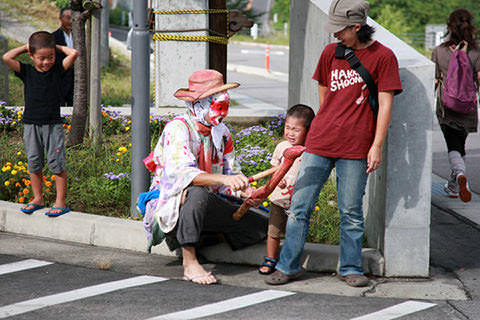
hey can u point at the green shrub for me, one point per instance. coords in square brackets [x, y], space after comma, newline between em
[116, 17]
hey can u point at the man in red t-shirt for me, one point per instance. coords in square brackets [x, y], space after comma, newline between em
[345, 134]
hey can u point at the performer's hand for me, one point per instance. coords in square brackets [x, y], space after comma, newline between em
[282, 184]
[246, 192]
[236, 182]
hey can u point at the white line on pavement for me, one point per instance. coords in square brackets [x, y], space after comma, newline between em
[226, 305]
[273, 52]
[397, 311]
[22, 265]
[68, 296]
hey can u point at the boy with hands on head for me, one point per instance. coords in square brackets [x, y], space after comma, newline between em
[43, 129]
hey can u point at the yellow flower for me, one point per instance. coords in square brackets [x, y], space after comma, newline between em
[117, 160]
[25, 191]
[119, 154]
[317, 208]
[265, 204]
[8, 168]
[48, 183]
[129, 121]
[8, 164]
[6, 183]
[254, 183]
[129, 144]
[14, 123]
[20, 163]
[4, 169]
[127, 128]
[122, 149]
[19, 153]
[14, 172]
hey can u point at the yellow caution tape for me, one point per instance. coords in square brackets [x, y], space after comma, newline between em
[169, 37]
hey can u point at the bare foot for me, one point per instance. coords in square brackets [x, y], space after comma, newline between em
[195, 273]
[31, 205]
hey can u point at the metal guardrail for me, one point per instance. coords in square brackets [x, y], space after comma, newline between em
[3, 71]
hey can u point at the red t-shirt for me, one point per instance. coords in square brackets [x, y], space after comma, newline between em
[344, 126]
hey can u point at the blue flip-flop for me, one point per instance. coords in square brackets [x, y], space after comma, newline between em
[56, 214]
[32, 210]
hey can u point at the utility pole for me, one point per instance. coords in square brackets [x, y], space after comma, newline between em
[140, 102]
[95, 130]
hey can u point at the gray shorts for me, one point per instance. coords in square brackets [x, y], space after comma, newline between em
[41, 138]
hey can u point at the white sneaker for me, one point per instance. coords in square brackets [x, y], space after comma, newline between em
[447, 187]
[451, 187]
[465, 193]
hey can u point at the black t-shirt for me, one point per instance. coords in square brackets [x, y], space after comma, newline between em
[43, 93]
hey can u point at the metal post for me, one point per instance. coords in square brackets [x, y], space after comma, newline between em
[104, 40]
[140, 102]
[95, 108]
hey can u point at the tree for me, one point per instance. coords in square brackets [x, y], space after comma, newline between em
[80, 13]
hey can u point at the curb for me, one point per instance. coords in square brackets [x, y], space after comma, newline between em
[128, 234]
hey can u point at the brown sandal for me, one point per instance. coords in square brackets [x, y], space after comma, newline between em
[355, 280]
[279, 277]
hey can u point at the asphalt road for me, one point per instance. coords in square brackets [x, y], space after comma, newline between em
[45, 292]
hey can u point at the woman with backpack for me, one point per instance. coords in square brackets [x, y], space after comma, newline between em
[457, 75]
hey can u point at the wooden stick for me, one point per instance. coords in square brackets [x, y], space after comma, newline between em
[263, 174]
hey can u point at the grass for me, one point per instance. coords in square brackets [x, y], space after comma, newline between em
[44, 13]
[276, 38]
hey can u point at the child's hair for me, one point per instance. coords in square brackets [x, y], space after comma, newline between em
[302, 111]
[41, 40]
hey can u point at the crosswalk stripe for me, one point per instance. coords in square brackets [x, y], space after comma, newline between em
[397, 311]
[68, 296]
[22, 265]
[226, 305]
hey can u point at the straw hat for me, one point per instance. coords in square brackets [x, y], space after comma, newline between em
[202, 84]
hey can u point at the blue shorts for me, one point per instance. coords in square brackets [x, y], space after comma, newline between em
[47, 138]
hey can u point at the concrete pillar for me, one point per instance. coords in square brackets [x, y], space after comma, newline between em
[397, 201]
[104, 39]
[175, 61]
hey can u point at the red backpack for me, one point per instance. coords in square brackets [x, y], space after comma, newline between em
[459, 90]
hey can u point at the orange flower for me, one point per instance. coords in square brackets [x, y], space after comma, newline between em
[20, 193]
[21, 199]
[25, 191]
[69, 127]
[53, 177]
[27, 182]
[48, 184]
[17, 184]
[47, 190]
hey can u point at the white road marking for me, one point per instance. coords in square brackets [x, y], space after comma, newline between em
[397, 311]
[272, 52]
[22, 265]
[226, 305]
[68, 296]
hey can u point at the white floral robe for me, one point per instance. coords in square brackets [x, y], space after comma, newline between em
[176, 157]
